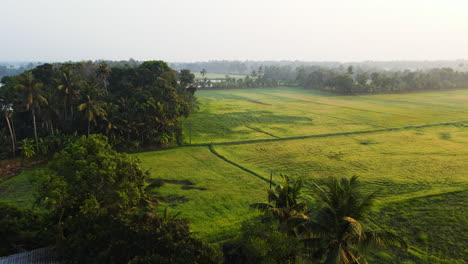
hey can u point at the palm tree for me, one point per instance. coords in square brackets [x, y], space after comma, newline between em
[283, 205]
[93, 109]
[34, 97]
[69, 83]
[102, 73]
[203, 72]
[7, 112]
[337, 236]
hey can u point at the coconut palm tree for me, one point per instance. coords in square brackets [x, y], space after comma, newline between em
[283, 205]
[7, 112]
[338, 234]
[69, 83]
[33, 97]
[203, 72]
[93, 109]
[102, 73]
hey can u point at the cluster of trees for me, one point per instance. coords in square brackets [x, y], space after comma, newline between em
[345, 81]
[338, 231]
[100, 213]
[132, 105]
[269, 76]
[361, 82]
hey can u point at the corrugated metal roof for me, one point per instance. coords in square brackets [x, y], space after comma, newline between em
[37, 256]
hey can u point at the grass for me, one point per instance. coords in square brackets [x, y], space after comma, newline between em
[246, 114]
[215, 211]
[19, 190]
[420, 169]
[425, 161]
[435, 227]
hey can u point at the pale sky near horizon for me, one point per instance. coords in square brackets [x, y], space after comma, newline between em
[188, 30]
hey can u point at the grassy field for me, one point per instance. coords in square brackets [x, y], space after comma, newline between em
[245, 114]
[412, 147]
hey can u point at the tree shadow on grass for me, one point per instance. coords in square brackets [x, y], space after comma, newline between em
[225, 124]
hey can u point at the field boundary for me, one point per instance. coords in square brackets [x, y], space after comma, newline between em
[252, 141]
[261, 131]
[212, 150]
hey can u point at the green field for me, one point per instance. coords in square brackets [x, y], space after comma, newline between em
[412, 147]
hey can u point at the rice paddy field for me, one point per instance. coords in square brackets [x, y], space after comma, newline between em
[411, 147]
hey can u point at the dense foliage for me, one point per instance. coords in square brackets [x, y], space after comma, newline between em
[382, 82]
[97, 199]
[133, 105]
[261, 242]
[22, 229]
[338, 232]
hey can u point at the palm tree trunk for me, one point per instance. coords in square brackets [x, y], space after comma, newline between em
[13, 147]
[13, 128]
[65, 109]
[89, 125]
[51, 128]
[35, 129]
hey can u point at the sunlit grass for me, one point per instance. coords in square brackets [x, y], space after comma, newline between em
[243, 114]
[216, 211]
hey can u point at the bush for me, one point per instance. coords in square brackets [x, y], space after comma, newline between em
[261, 242]
[97, 197]
[22, 229]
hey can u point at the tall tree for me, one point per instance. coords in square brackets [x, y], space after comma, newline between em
[69, 83]
[93, 109]
[203, 72]
[339, 232]
[7, 112]
[33, 97]
[102, 73]
[186, 78]
[283, 204]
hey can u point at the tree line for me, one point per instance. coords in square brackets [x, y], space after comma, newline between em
[347, 81]
[133, 105]
[351, 82]
[246, 67]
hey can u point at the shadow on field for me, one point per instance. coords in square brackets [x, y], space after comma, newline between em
[226, 123]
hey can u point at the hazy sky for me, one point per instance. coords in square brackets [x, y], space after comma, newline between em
[193, 30]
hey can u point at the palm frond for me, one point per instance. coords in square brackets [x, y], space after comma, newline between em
[264, 207]
[383, 239]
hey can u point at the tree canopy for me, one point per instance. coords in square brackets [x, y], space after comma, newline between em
[133, 106]
[96, 197]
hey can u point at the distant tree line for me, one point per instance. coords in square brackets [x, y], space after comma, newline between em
[346, 81]
[263, 76]
[8, 70]
[132, 105]
[352, 82]
[246, 67]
